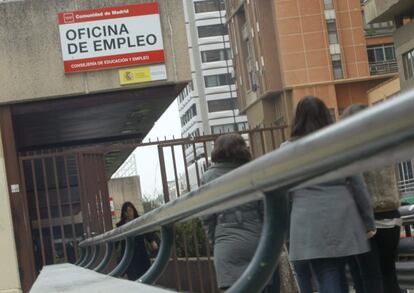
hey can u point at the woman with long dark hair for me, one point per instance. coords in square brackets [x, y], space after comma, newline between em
[140, 262]
[329, 221]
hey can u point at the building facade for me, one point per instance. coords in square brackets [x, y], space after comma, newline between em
[209, 104]
[51, 193]
[284, 50]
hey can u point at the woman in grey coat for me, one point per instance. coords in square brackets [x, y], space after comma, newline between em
[235, 233]
[329, 221]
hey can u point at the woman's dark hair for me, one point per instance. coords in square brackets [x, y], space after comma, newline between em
[230, 148]
[124, 211]
[311, 115]
[353, 109]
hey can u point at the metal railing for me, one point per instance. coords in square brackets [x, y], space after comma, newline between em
[406, 186]
[386, 67]
[359, 143]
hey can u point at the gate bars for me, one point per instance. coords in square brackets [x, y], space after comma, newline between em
[68, 198]
[357, 139]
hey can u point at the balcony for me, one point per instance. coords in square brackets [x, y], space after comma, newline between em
[379, 68]
[386, 28]
[406, 187]
[386, 10]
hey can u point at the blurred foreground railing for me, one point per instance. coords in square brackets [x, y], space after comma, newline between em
[380, 135]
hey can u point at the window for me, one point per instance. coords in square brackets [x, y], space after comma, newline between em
[337, 66]
[229, 127]
[185, 92]
[215, 55]
[381, 53]
[408, 64]
[222, 128]
[251, 66]
[222, 105]
[406, 177]
[332, 34]
[188, 115]
[212, 30]
[209, 6]
[328, 4]
[406, 170]
[218, 80]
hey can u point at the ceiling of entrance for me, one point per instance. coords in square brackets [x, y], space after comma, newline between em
[89, 120]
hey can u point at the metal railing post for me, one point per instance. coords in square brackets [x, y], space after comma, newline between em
[95, 255]
[163, 257]
[265, 259]
[109, 247]
[87, 257]
[123, 265]
[81, 257]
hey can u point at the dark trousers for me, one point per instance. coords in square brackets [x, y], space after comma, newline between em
[303, 274]
[366, 272]
[369, 268]
[329, 274]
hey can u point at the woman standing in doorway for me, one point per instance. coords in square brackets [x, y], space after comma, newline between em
[140, 262]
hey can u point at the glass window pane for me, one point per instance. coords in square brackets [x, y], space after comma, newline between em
[389, 53]
[379, 54]
[218, 80]
[337, 69]
[214, 55]
[222, 105]
[371, 55]
[209, 5]
[212, 30]
[328, 4]
[332, 34]
[211, 81]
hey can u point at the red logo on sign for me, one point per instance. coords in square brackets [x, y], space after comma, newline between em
[68, 17]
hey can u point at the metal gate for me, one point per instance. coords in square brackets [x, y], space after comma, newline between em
[67, 199]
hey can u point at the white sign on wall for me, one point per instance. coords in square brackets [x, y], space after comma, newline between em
[111, 37]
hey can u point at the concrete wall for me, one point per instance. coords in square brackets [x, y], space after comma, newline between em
[404, 42]
[31, 65]
[122, 190]
[9, 273]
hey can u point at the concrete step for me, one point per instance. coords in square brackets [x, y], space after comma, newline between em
[73, 279]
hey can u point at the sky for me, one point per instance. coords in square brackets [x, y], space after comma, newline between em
[147, 162]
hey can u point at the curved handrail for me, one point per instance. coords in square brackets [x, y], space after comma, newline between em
[155, 271]
[87, 257]
[95, 254]
[264, 261]
[81, 256]
[109, 247]
[121, 268]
